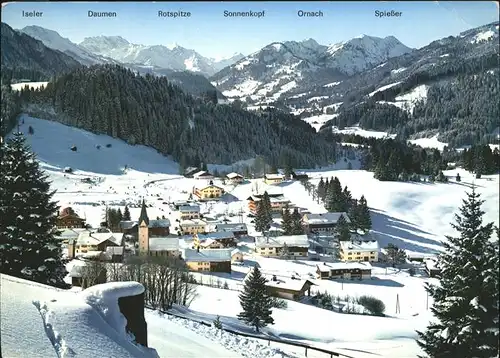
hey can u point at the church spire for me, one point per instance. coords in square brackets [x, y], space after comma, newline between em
[144, 214]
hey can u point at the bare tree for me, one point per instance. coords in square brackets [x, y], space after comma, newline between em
[166, 280]
[93, 273]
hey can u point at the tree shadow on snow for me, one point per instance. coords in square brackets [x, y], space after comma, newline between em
[400, 233]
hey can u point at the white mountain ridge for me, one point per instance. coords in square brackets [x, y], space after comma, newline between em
[53, 40]
[288, 66]
[172, 56]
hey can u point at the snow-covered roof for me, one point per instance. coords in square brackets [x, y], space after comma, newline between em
[163, 243]
[273, 199]
[231, 227]
[235, 251]
[68, 234]
[95, 238]
[326, 267]
[192, 222]
[326, 218]
[189, 208]
[159, 223]
[214, 255]
[280, 241]
[368, 245]
[219, 235]
[203, 187]
[127, 224]
[181, 202]
[286, 283]
[202, 173]
[274, 176]
[234, 175]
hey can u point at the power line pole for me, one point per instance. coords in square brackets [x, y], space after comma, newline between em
[398, 310]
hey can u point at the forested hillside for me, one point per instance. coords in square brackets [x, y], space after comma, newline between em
[459, 82]
[23, 57]
[150, 110]
[464, 110]
[10, 108]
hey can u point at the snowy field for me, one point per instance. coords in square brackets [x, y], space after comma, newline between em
[414, 216]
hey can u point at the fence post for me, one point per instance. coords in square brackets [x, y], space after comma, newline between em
[306, 351]
[269, 343]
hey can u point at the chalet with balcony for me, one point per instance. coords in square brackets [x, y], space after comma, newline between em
[214, 240]
[290, 288]
[272, 179]
[187, 212]
[289, 246]
[355, 250]
[345, 270]
[193, 226]
[209, 192]
[69, 219]
[278, 202]
[234, 178]
[203, 175]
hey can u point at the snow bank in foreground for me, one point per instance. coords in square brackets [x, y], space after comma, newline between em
[40, 321]
[247, 347]
[104, 298]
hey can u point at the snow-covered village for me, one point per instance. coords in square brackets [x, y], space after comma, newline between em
[169, 213]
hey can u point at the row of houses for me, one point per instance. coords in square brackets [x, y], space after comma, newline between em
[235, 178]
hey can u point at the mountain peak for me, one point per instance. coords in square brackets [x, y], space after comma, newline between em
[172, 45]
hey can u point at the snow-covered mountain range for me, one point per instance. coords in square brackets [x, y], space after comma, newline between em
[53, 40]
[116, 49]
[284, 66]
[173, 57]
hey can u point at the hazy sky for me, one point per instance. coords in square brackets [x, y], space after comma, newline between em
[211, 34]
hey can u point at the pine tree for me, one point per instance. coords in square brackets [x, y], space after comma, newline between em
[255, 301]
[395, 254]
[342, 229]
[353, 214]
[321, 190]
[126, 214]
[296, 223]
[346, 199]
[286, 218]
[466, 300]
[364, 219]
[119, 216]
[29, 248]
[264, 216]
[334, 201]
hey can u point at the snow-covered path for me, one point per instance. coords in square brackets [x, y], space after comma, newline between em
[181, 341]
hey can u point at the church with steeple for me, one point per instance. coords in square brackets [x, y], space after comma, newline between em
[145, 228]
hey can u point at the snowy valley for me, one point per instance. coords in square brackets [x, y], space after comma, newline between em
[335, 196]
[413, 216]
